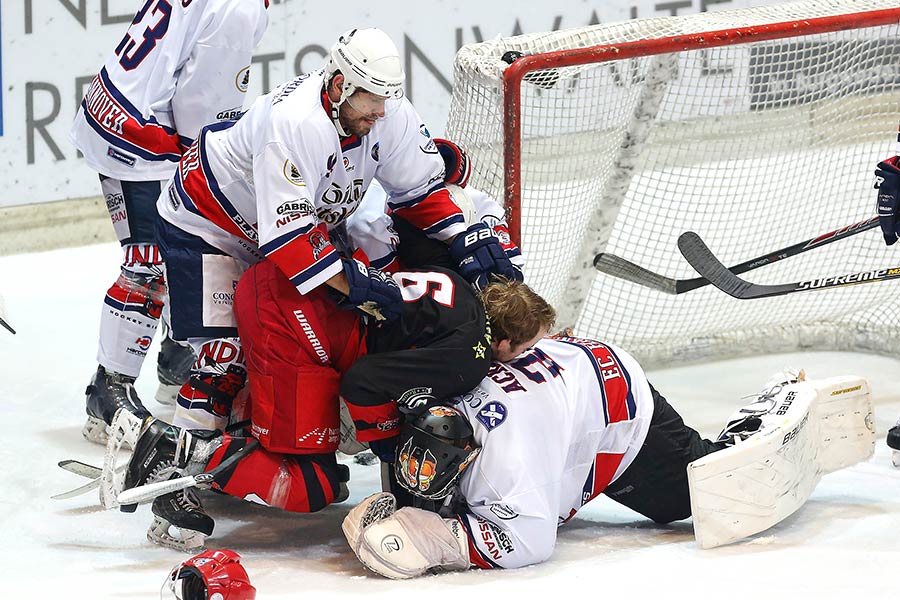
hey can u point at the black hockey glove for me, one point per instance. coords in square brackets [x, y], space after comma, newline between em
[369, 285]
[479, 254]
[887, 182]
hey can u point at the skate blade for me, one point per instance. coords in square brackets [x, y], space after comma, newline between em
[184, 540]
[94, 430]
[895, 457]
[123, 435]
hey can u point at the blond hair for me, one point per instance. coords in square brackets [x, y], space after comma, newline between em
[517, 313]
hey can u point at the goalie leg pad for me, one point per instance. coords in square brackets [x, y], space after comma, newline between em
[813, 428]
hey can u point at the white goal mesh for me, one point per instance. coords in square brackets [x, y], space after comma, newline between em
[755, 145]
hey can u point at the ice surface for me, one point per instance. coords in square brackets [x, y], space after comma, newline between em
[842, 544]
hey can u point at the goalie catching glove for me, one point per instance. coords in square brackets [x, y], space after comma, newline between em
[405, 543]
[370, 286]
[479, 255]
[887, 182]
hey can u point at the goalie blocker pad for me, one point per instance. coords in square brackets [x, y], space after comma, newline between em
[816, 427]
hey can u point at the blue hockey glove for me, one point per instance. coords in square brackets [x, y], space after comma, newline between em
[369, 285]
[457, 167]
[479, 254]
[887, 182]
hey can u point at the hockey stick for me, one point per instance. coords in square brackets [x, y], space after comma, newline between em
[145, 493]
[84, 470]
[696, 252]
[627, 270]
[3, 317]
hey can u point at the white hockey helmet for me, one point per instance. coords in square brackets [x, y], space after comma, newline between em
[368, 60]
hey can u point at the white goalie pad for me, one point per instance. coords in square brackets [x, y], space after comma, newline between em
[815, 427]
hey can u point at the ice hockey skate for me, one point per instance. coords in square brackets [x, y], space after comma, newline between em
[179, 521]
[173, 368]
[105, 395]
[893, 442]
[781, 445]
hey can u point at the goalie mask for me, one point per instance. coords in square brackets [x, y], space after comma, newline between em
[211, 575]
[369, 62]
[435, 448]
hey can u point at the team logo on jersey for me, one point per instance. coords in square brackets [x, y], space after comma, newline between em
[319, 243]
[479, 349]
[347, 165]
[330, 164]
[292, 174]
[504, 512]
[301, 207]
[242, 79]
[116, 154]
[230, 115]
[492, 415]
[376, 151]
[428, 146]
[415, 397]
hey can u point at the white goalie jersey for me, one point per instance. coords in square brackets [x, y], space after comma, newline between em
[556, 426]
[180, 66]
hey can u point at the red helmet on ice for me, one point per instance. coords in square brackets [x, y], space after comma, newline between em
[211, 575]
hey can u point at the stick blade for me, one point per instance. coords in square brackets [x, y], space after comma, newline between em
[701, 258]
[629, 271]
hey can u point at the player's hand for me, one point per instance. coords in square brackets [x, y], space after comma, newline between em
[887, 182]
[457, 166]
[369, 285]
[479, 254]
[385, 449]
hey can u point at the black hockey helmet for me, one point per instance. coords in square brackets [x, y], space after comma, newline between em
[436, 446]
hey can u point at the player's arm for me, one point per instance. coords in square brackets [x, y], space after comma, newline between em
[292, 237]
[213, 82]
[411, 171]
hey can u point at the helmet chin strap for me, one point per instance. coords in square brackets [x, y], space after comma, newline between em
[336, 119]
[335, 109]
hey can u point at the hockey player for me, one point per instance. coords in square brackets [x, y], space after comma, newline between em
[302, 353]
[283, 178]
[561, 421]
[179, 66]
[887, 182]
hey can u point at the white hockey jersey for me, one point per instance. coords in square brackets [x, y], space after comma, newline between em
[181, 65]
[276, 181]
[556, 425]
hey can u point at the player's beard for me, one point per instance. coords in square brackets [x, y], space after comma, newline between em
[353, 121]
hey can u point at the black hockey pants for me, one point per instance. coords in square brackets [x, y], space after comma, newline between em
[655, 484]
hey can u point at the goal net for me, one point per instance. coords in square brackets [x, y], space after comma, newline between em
[757, 128]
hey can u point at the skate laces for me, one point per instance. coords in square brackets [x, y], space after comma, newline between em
[188, 500]
[173, 467]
